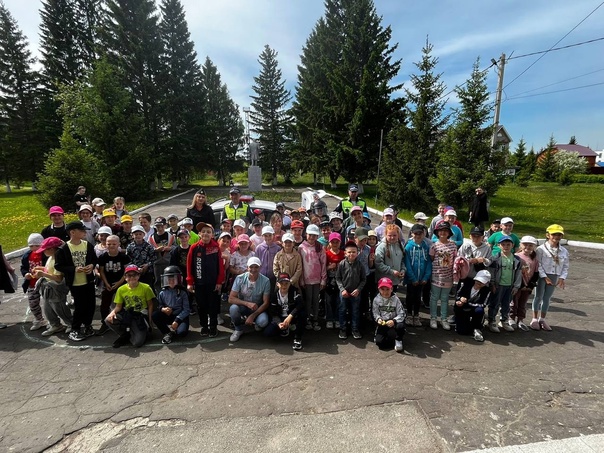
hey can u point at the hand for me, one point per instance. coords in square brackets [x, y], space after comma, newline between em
[167, 310]
[110, 318]
[191, 289]
[561, 283]
[174, 325]
[423, 282]
[144, 268]
[323, 285]
[390, 323]
[284, 325]
[345, 294]
[249, 320]
[459, 303]
[415, 283]
[37, 274]
[548, 281]
[114, 286]
[355, 293]
[252, 306]
[88, 269]
[218, 287]
[28, 276]
[514, 291]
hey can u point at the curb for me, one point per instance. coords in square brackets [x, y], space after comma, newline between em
[18, 253]
[589, 245]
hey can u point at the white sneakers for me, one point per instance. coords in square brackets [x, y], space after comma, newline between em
[235, 336]
[478, 335]
[445, 324]
[433, 324]
[398, 345]
[37, 325]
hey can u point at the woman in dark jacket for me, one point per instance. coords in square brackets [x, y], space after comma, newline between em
[200, 210]
[479, 214]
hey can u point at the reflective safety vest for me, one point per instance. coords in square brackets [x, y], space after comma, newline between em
[347, 205]
[234, 214]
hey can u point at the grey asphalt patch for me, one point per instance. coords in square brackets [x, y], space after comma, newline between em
[387, 428]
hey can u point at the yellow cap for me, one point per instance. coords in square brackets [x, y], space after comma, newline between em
[555, 228]
[108, 212]
[125, 218]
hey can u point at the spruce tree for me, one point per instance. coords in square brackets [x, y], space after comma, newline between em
[466, 159]
[182, 95]
[410, 147]
[517, 159]
[18, 81]
[223, 129]
[269, 116]
[547, 167]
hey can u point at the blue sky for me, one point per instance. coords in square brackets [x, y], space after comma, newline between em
[233, 33]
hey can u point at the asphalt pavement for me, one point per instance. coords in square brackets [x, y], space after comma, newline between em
[444, 393]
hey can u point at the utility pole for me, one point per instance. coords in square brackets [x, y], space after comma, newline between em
[500, 71]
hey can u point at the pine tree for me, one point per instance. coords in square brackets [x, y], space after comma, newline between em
[466, 159]
[223, 128]
[18, 81]
[547, 168]
[410, 147]
[517, 159]
[182, 95]
[269, 115]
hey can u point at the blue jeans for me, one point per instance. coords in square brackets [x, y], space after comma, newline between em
[544, 294]
[501, 298]
[237, 313]
[441, 294]
[355, 304]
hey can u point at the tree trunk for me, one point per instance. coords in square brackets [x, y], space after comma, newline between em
[175, 185]
[7, 185]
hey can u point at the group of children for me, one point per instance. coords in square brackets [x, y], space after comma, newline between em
[162, 274]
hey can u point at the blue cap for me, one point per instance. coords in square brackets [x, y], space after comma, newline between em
[505, 238]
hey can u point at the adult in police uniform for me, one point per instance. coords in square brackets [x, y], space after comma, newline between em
[353, 200]
[236, 208]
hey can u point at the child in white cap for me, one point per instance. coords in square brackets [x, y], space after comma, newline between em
[530, 275]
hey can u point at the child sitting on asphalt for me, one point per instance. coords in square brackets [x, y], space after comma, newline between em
[389, 314]
[286, 308]
[469, 305]
[131, 317]
[351, 278]
[172, 314]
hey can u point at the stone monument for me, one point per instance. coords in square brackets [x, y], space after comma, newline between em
[254, 173]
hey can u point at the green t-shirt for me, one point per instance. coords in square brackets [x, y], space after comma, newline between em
[134, 298]
[494, 242]
[507, 269]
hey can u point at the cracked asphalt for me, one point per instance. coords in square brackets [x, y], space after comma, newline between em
[445, 393]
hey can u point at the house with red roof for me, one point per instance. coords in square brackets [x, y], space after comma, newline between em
[584, 151]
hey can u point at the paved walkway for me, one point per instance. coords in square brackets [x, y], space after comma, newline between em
[445, 393]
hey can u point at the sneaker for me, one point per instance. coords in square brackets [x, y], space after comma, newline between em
[76, 335]
[50, 330]
[478, 335]
[235, 336]
[297, 345]
[398, 345]
[37, 325]
[417, 322]
[445, 324]
[167, 338]
[205, 331]
[522, 326]
[88, 331]
[535, 325]
[104, 329]
[337, 325]
[505, 325]
[342, 335]
[356, 335]
[309, 325]
[315, 326]
[329, 325]
[213, 333]
[409, 321]
[512, 323]
[220, 320]
[544, 325]
[285, 332]
[433, 324]
[493, 327]
[122, 340]
[451, 320]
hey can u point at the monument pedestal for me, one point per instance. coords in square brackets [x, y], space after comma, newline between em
[254, 178]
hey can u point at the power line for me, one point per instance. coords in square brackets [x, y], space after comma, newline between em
[555, 44]
[557, 48]
[556, 83]
[459, 86]
[557, 91]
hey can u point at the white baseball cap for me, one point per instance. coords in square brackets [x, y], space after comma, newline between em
[268, 230]
[483, 276]
[506, 220]
[313, 229]
[451, 212]
[254, 261]
[107, 230]
[239, 223]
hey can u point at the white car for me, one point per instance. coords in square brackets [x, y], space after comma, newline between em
[267, 206]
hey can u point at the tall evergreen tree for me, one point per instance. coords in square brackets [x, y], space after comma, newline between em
[547, 168]
[466, 158]
[517, 159]
[182, 94]
[269, 115]
[223, 129]
[131, 40]
[18, 154]
[350, 55]
[407, 181]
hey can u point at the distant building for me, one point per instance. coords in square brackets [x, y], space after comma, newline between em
[584, 151]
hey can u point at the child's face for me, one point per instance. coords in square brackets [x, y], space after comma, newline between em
[284, 285]
[184, 239]
[99, 209]
[507, 228]
[57, 219]
[443, 235]
[361, 243]
[506, 246]
[160, 227]
[127, 226]
[388, 219]
[268, 238]
[335, 244]
[441, 210]
[528, 248]
[258, 230]
[103, 238]
[418, 236]
[476, 239]
[243, 246]
[385, 292]
[144, 223]
[33, 248]
[312, 238]
[357, 216]
[173, 223]
[50, 252]
[206, 234]
[371, 241]
[132, 279]
[297, 232]
[351, 253]
[315, 221]
[288, 246]
[336, 224]
[238, 230]
[495, 227]
[78, 234]
[172, 281]
[112, 245]
[119, 204]
[225, 241]
[110, 220]
[225, 227]
[326, 231]
[554, 238]
[139, 237]
[85, 215]
[277, 223]
[391, 237]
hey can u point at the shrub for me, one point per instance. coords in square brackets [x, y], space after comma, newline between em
[588, 179]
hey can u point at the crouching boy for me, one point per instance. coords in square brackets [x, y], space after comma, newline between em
[286, 308]
[172, 314]
[389, 315]
[469, 305]
[131, 317]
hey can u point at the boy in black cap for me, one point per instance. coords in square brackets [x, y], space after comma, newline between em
[287, 307]
[76, 260]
